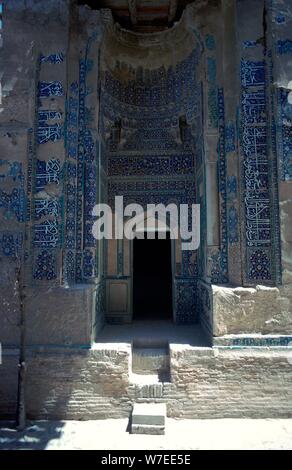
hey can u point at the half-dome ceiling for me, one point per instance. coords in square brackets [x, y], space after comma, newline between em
[145, 16]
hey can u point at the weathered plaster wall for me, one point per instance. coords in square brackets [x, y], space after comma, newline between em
[53, 316]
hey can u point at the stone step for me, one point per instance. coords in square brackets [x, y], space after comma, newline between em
[148, 418]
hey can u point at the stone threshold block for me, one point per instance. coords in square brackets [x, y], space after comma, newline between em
[148, 418]
[230, 310]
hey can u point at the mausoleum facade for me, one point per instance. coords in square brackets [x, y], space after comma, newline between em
[172, 103]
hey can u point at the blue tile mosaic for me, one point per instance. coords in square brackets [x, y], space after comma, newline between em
[11, 243]
[255, 168]
[47, 172]
[52, 58]
[45, 211]
[230, 137]
[231, 187]
[210, 42]
[47, 234]
[252, 73]
[153, 160]
[149, 165]
[48, 89]
[259, 265]
[44, 207]
[212, 92]
[185, 301]
[45, 266]
[219, 266]
[249, 44]
[47, 133]
[47, 115]
[13, 202]
[284, 46]
[280, 19]
[280, 341]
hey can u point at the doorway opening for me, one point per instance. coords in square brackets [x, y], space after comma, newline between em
[152, 278]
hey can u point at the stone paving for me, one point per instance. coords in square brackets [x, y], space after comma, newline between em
[180, 435]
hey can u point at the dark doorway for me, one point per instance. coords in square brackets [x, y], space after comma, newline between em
[152, 279]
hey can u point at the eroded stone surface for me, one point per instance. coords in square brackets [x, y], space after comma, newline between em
[251, 310]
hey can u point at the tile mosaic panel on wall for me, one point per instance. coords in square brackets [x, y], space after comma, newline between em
[13, 206]
[256, 172]
[82, 177]
[45, 209]
[154, 159]
[12, 201]
[219, 270]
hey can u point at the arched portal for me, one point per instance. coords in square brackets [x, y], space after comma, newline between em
[151, 112]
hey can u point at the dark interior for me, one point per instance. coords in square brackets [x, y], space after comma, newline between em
[152, 280]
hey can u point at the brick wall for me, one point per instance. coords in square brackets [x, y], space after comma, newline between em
[205, 383]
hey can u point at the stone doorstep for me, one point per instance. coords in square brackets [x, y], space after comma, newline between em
[147, 429]
[149, 414]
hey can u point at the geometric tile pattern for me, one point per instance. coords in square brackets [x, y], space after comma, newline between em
[45, 209]
[255, 167]
[11, 243]
[45, 265]
[219, 268]
[13, 201]
[179, 164]
[153, 158]
[230, 137]
[284, 46]
[185, 300]
[81, 182]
